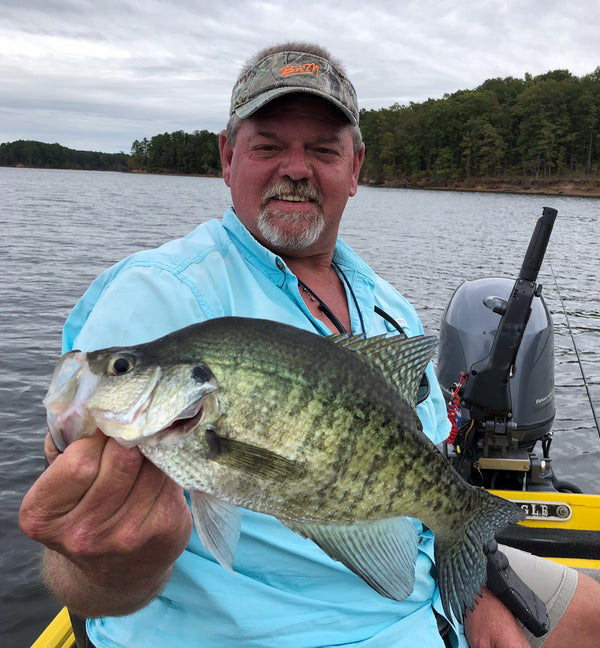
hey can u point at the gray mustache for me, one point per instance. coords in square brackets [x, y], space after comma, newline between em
[302, 189]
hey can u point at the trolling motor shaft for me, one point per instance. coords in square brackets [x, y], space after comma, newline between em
[486, 392]
[498, 334]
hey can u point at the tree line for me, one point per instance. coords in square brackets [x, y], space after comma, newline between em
[40, 155]
[543, 126]
[177, 152]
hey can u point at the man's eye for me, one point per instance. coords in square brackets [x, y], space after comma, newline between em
[321, 150]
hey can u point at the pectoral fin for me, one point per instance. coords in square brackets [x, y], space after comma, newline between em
[218, 524]
[251, 459]
[383, 553]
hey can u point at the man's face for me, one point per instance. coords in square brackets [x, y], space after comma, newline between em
[291, 172]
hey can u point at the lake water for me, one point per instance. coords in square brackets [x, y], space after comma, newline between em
[61, 228]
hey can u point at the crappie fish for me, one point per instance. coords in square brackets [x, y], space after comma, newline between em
[321, 433]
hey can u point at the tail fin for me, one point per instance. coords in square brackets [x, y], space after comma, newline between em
[461, 562]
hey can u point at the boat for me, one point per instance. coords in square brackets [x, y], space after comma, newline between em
[496, 367]
[58, 633]
[564, 527]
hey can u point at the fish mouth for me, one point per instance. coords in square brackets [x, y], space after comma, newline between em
[175, 433]
[184, 423]
[66, 414]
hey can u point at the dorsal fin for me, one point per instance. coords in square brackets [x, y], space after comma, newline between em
[401, 360]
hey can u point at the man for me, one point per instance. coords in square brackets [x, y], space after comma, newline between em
[118, 532]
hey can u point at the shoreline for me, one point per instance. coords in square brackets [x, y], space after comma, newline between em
[586, 187]
[577, 187]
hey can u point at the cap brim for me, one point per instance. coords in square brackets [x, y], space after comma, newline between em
[253, 105]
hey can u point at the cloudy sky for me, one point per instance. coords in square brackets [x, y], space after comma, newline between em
[98, 74]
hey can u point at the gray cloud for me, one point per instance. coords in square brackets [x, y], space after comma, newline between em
[99, 75]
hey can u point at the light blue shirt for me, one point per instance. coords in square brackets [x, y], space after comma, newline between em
[285, 591]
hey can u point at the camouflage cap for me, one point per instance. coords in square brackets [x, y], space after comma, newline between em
[287, 72]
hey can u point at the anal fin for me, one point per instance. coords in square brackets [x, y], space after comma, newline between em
[383, 553]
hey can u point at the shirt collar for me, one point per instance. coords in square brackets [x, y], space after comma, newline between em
[258, 254]
[270, 264]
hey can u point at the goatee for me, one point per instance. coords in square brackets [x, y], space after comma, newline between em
[290, 230]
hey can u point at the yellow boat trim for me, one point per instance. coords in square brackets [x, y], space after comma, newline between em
[58, 634]
[585, 509]
[578, 563]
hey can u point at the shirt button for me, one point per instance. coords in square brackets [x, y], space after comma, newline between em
[280, 265]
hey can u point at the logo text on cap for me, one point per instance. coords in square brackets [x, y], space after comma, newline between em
[305, 68]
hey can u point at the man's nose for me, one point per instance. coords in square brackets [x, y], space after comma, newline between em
[295, 164]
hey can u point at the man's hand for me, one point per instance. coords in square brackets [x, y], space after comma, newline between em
[113, 522]
[491, 625]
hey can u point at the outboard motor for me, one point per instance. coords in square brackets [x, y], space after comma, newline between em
[496, 368]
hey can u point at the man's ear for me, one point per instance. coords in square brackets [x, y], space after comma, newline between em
[226, 154]
[356, 165]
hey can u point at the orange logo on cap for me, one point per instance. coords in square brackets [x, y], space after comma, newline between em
[305, 68]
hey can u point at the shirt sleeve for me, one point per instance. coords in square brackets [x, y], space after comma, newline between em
[137, 305]
[433, 412]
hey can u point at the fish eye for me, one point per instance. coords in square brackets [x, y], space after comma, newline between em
[120, 365]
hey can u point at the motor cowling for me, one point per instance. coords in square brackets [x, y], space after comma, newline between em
[467, 331]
